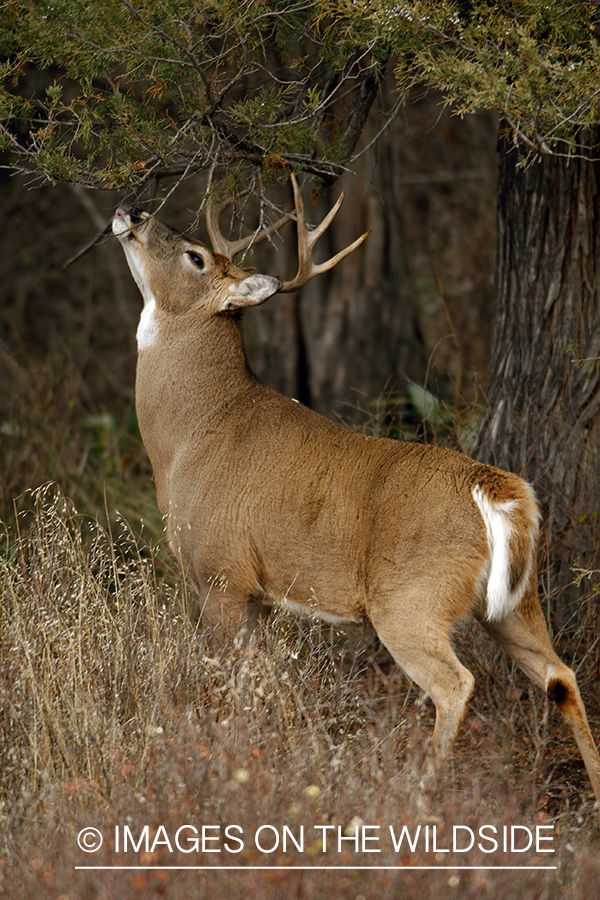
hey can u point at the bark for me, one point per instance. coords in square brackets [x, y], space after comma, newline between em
[543, 406]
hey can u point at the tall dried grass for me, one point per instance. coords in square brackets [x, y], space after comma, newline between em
[116, 710]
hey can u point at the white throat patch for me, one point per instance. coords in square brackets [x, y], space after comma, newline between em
[147, 332]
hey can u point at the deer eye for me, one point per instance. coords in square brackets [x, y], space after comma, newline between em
[196, 259]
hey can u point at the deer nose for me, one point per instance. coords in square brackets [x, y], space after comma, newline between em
[135, 215]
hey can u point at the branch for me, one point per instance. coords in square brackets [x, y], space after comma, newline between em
[358, 110]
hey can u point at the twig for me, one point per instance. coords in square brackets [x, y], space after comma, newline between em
[88, 247]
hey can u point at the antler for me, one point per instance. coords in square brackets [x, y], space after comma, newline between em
[307, 269]
[220, 244]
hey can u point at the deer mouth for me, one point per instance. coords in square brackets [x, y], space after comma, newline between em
[127, 219]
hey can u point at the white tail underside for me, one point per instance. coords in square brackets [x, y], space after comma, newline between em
[497, 517]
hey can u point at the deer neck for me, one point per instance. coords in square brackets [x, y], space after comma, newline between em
[187, 379]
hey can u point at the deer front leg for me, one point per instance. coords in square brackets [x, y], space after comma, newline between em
[229, 614]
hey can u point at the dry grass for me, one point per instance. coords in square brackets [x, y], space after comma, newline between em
[115, 710]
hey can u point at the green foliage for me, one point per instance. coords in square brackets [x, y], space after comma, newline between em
[591, 575]
[118, 93]
[115, 93]
[537, 63]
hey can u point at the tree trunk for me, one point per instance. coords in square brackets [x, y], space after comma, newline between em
[543, 406]
[347, 336]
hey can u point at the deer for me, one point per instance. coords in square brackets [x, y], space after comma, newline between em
[268, 503]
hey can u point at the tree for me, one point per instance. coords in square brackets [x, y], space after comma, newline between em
[538, 64]
[138, 91]
[543, 412]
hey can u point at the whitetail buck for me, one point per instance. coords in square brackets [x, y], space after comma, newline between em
[265, 502]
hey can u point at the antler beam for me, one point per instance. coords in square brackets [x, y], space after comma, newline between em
[220, 244]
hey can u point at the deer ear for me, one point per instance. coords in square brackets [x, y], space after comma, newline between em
[251, 291]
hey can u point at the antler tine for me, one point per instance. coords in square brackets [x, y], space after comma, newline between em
[220, 244]
[307, 269]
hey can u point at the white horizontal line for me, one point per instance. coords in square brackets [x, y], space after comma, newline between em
[314, 868]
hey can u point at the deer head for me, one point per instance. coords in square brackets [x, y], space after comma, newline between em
[189, 273]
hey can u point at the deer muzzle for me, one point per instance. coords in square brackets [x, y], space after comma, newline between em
[126, 218]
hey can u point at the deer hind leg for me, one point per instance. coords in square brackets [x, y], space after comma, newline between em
[430, 661]
[525, 638]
